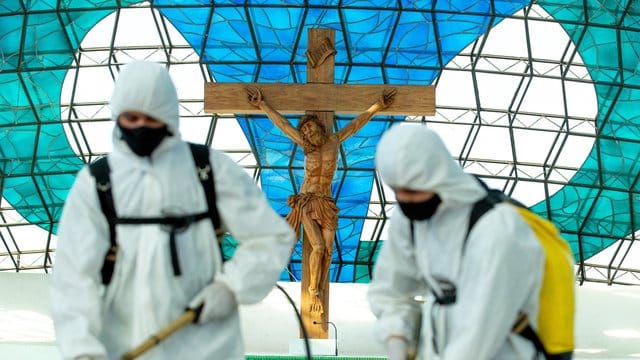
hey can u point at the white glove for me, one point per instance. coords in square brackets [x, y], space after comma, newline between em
[397, 348]
[217, 302]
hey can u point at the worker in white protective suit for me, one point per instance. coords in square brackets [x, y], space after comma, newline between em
[497, 275]
[152, 174]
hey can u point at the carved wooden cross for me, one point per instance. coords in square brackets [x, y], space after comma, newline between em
[323, 98]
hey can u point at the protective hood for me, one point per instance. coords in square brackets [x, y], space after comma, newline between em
[146, 87]
[414, 157]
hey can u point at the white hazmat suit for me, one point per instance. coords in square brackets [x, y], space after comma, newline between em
[144, 294]
[498, 274]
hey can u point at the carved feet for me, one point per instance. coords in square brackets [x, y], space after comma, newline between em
[316, 303]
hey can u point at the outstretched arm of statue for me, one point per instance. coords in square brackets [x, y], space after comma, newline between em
[385, 100]
[255, 98]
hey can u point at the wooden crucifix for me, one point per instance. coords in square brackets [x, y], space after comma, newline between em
[319, 99]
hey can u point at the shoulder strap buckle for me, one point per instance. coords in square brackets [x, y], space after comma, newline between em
[103, 186]
[203, 172]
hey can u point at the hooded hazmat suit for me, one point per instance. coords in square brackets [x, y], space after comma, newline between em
[497, 275]
[144, 294]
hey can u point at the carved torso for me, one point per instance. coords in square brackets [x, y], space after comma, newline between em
[320, 167]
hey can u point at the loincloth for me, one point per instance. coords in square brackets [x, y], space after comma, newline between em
[322, 208]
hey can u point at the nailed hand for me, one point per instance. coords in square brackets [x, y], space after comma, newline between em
[254, 95]
[387, 98]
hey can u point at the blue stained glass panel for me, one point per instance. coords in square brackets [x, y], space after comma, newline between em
[276, 32]
[31, 80]
[229, 38]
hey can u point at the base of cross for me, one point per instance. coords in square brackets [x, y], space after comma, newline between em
[315, 322]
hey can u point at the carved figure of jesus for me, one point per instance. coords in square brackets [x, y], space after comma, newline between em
[314, 208]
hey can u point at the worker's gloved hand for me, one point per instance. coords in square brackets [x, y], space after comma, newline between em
[217, 302]
[397, 348]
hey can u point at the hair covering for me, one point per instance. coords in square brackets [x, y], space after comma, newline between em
[414, 157]
[146, 87]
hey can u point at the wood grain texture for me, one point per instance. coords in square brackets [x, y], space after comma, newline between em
[229, 98]
[322, 73]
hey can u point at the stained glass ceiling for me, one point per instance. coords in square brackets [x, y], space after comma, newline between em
[536, 98]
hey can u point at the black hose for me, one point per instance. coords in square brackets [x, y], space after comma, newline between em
[304, 330]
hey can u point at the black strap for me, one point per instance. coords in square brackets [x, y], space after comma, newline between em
[531, 335]
[100, 171]
[412, 234]
[480, 208]
[178, 222]
[200, 155]
[175, 224]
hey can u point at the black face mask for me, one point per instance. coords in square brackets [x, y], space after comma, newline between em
[420, 210]
[143, 140]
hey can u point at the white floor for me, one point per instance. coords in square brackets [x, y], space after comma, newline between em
[607, 321]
